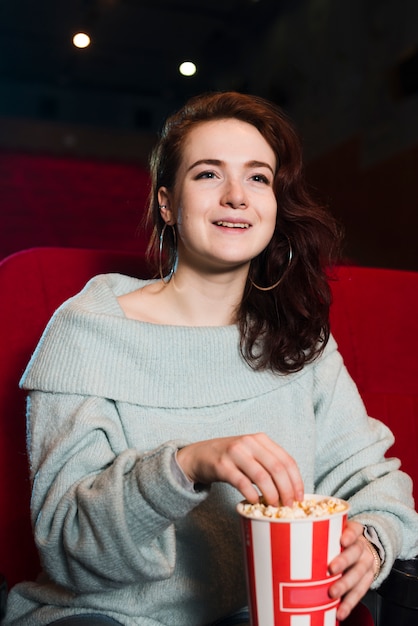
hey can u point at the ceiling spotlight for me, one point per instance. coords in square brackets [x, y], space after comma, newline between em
[81, 40]
[187, 68]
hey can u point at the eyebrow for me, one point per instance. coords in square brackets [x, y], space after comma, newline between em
[218, 162]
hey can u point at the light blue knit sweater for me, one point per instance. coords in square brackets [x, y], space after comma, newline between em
[112, 399]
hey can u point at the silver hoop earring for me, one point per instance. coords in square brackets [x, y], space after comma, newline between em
[160, 254]
[276, 284]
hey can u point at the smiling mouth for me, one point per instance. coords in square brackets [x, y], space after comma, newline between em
[233, 224]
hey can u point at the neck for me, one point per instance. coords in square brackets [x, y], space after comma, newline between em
[205, 300]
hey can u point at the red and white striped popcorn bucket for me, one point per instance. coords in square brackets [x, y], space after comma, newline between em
[287, 568]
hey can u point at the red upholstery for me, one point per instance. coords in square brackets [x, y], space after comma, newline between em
[33, 283]
[374, 318]
[375, 321]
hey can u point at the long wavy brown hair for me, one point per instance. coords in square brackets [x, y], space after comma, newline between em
[288, 326]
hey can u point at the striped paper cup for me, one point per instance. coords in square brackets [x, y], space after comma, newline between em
[287, 567]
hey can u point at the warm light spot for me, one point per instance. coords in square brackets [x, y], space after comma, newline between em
[187, 68]
[81, 40]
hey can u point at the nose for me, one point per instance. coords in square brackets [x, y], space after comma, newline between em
[234, 195]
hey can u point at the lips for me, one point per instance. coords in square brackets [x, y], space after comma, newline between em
[242, 225]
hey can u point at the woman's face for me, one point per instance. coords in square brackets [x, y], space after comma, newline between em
[223, 201]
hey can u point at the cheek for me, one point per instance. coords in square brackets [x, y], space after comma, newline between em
[273, 213]
[179, 215]
[271, 222]
[184, 224]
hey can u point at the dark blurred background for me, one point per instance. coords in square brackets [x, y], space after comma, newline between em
[77, 125]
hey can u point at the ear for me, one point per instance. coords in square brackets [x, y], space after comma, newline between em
[165, 202]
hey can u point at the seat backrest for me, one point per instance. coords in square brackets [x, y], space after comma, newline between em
[33, 283]
[374, 318]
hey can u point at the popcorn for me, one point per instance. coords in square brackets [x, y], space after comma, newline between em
[310, 507]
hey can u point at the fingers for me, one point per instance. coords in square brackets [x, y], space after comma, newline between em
[351, 533]
[269, 467]
[253, 464]
[356, 565]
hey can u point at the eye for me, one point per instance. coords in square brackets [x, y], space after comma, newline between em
[260, 178]
[206, 174]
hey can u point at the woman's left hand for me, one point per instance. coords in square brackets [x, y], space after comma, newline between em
[357, 566]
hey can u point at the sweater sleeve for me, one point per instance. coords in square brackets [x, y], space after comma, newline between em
[103, 513]
[352, 464]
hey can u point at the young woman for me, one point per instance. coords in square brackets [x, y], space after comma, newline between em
[155, 406]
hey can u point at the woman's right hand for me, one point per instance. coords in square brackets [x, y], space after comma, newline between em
[246, 462]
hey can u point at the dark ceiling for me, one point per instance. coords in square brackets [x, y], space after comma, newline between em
[338, 68]
[345, 71]
[129, 76]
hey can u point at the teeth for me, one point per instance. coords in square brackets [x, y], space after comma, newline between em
[232, 225]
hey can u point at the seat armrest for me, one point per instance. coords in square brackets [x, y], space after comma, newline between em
[3, 596]
[401, 586]
[396, 600]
